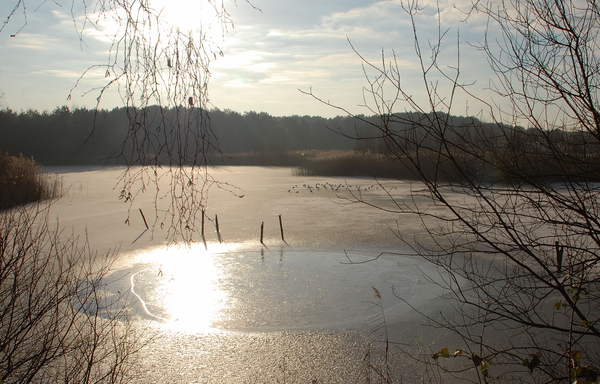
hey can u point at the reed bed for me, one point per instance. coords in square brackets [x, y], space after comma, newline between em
[23, 181]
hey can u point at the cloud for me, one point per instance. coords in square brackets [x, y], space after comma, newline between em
[68, 74]
[269, 54]
[321, 56]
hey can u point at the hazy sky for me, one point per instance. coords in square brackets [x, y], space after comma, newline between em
[268, 55]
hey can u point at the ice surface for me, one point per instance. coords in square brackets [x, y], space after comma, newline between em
[311, 289]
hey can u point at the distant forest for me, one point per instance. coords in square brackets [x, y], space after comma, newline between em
[85, 137]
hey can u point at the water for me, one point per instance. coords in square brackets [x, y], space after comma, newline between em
[299, 310]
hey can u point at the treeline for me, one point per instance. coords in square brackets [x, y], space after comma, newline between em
[84, 136]
[446, 148]
[397, 145]
[64, 136]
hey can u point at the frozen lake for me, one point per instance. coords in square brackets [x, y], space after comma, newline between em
[193, 290]
[240, 311]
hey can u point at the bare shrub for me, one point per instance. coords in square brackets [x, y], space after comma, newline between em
[512, 221]
[57, 322]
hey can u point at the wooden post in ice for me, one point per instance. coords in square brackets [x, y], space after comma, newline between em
[281, 228]
[217, 226]
[144, 217]
[262, 231]
[202, 231]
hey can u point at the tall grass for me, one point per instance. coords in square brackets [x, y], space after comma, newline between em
[260, 158]
[496, 166]
[23, 181]
[351, 163]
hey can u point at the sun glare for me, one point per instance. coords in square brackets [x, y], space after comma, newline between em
[189, 15]
[181, 287]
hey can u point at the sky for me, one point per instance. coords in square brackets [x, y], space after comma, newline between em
[274, 50]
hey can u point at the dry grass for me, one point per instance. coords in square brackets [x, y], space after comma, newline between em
[459, 166]
[352, 163]
[22, 181]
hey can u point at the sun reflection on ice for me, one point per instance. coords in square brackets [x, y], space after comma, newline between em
[181, 287]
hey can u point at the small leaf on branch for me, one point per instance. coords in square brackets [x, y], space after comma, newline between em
[535, 361]
[484, 368]
[444, 352]
[585, 374]
[376, 292]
